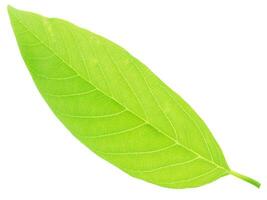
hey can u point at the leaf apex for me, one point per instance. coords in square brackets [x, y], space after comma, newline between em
[10, 8]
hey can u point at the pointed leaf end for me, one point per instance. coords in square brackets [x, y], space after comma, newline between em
[10, 9]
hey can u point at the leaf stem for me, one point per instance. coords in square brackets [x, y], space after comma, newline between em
[246, 178]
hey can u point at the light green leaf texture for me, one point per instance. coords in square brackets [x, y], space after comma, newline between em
[116, 106]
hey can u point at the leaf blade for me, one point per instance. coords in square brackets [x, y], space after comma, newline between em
[154, 111]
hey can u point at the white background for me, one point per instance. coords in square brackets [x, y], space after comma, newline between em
[213, 53]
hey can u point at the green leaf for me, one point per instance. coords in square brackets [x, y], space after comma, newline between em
[116, 106]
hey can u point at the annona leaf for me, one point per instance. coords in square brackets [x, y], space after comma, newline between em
[116, 106]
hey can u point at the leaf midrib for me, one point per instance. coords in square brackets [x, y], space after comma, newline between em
[157, 129]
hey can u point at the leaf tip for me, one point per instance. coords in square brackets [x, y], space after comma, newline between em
[10, 8]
